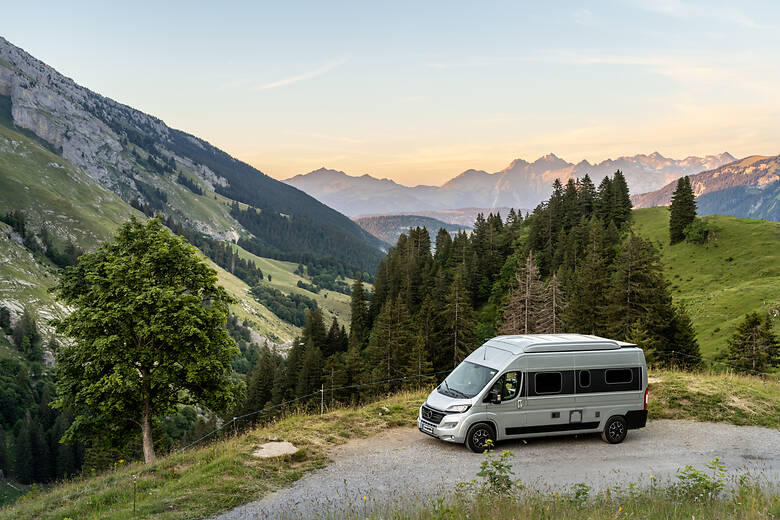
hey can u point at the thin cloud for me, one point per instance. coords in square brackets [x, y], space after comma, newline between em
[688, 10]
[302, 77]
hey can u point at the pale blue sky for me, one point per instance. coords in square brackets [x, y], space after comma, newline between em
[419, 93]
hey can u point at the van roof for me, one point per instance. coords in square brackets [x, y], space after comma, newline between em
[527, 343]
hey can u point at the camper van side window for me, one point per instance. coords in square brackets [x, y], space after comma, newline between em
[584, 378]
[548, 382]
[616, 376]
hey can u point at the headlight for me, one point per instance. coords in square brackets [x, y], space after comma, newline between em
[458, 408]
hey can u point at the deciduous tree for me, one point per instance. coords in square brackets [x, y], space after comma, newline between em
[148, 331]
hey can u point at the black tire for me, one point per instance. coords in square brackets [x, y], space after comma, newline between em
[478, 435]
[615, 430]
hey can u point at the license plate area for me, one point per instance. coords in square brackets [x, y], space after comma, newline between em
[426, 428]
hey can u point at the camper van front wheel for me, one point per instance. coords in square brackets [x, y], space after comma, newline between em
[478, 436]
[615, 430]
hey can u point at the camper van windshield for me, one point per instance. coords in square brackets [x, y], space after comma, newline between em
[467, 380]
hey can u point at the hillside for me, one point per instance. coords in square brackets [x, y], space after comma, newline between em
[390, 227]
[743, 201]
[521, 184]
[736, 272]
[745, 188]
[206, 480]
[144, 162]
[73, 206]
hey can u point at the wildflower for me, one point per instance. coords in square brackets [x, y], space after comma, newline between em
[121, 461]
[365, 497]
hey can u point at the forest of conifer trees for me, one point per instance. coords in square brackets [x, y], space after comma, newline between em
[573, 265]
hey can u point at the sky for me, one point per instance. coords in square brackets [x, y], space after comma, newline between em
[421, 91]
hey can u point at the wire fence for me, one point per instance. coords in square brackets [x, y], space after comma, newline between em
[321, 393]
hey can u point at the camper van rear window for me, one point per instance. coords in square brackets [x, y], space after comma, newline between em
[547, 382]
[616, 376]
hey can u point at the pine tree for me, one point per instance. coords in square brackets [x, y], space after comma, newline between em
[682, 347]
[620, 210]
[310, 375]
[359, 324]
[549, 316]
[603, 203]
[586, 298]
[520, 311]
[391, 341]
[419, 365]
[261, 381]
[682, 210]
[24, 462]
[638, 290]
[754, 346]
[586, 196]
[458, 321]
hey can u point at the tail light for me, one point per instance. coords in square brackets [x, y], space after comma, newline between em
[646, 389]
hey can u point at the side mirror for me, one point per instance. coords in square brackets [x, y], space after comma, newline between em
[494, 396]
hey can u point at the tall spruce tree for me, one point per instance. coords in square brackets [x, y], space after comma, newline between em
[520, 312]
[359, 321]
[391, 340]
[638, 291]
[457, 321]
[754, 346]
[682, 210]
[620, 210]
[586, 305]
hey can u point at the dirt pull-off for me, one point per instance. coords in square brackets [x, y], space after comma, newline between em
[402, 465]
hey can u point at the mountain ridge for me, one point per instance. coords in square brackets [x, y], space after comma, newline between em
[754, 178]
[128, 151]
[521, 184]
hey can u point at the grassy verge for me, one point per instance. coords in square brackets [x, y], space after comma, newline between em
[225, 474]
[715, 397]
[200, 482]
[746, 501]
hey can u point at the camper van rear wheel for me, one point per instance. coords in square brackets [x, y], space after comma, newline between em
[478, 435]
[615, 430]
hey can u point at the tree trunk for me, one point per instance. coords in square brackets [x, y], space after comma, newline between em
[146, 419]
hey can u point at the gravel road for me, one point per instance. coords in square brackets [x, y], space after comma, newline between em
[403, 465]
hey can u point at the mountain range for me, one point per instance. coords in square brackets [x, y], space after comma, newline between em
[521, 184]
[748, 188]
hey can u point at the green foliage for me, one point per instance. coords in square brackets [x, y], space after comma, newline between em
[754, 346]
[696, 232]
[148, 331]
[496, 473]
[289, 307]
[683, 210]
[697, 486]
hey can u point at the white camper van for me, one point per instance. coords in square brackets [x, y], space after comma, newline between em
[533, 385]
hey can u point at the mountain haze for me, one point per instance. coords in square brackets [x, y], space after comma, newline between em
[521, 184]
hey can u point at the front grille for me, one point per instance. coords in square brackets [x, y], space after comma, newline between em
[431, 415]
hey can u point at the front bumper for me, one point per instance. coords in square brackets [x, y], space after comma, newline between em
[448, 434]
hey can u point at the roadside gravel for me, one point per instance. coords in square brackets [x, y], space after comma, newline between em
[402, 466]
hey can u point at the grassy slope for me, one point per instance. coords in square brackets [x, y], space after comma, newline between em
[719, 292]
[204, 481]
[51, 190]
[283, 277]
